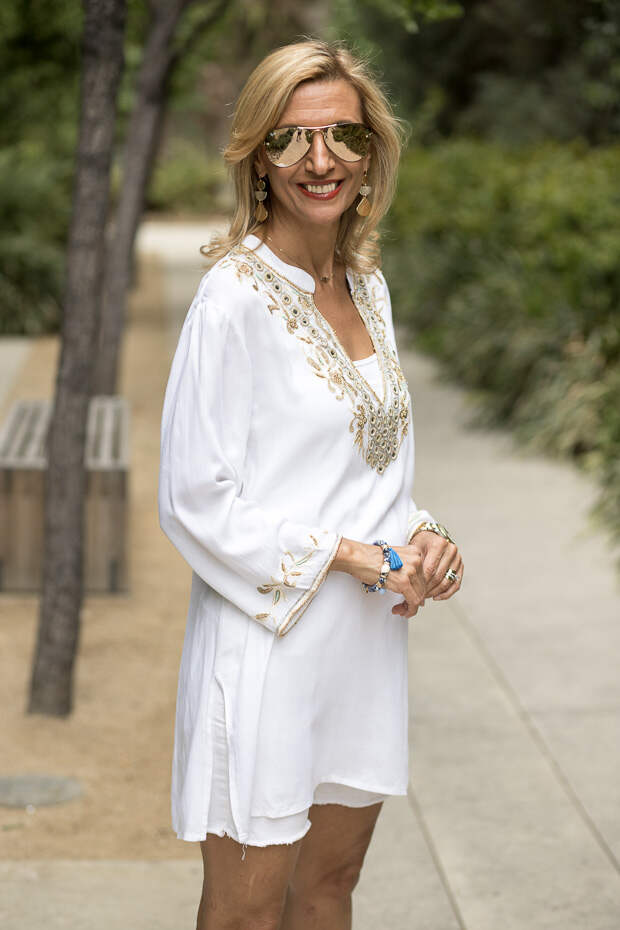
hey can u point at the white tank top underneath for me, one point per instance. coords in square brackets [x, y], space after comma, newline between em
[369, 369]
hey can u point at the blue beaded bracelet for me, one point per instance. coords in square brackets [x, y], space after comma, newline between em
[391, 560]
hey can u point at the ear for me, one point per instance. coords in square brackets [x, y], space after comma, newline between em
[259, 164]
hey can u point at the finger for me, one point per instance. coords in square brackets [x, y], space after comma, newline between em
[454, 587]
[441, 582]
[439, 551]
[447, 583]
[448, 558]
[413, 605]
[408, 608]
[403, 609]
[451, 587]
[415, 591]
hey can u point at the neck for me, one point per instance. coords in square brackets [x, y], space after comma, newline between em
[313, 247]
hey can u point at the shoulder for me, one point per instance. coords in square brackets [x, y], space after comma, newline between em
[377, 283]
[227, 291]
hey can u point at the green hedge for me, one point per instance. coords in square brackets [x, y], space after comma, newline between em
[188, 179]
[506, 265]
[34, 203]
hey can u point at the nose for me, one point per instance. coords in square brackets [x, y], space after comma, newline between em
[319, 159]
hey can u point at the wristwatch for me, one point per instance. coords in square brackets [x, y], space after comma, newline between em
[438, 528]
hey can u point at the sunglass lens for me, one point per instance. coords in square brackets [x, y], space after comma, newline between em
[349, 141]
[285, 146]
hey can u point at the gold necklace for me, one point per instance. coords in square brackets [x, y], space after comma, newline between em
[324, 277]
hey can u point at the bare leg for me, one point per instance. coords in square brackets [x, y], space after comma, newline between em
[328, 867]
[244, 894]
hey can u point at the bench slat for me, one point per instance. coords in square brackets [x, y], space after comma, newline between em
[23, 459]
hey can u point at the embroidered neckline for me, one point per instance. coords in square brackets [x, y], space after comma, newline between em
[379, 426]
[330, 329]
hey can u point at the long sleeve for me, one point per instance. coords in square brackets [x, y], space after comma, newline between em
[416, 516]
[266, 565]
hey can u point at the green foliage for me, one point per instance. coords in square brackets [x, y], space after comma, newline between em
[188, 180]
[512, 72]
[507, 266]
[39, 76]
[34, 207]
[404, 13]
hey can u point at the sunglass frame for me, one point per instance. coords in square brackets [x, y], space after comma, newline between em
[308, 142]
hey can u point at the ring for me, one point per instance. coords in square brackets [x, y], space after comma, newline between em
[452, 575]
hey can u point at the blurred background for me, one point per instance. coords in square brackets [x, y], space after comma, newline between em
[507, 210]
[502, 252]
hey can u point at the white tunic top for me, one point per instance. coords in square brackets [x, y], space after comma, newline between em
[371, 371]
[274, 445]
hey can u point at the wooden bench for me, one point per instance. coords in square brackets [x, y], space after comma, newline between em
[23, 462]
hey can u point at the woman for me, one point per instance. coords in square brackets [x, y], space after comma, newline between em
[287, 462]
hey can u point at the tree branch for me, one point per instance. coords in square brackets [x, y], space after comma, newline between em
[211, 17]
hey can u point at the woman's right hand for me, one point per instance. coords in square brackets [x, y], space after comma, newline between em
[364, 561]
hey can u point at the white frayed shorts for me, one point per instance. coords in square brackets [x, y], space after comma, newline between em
[265, 831]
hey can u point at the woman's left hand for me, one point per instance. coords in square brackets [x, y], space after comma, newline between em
[438, 555]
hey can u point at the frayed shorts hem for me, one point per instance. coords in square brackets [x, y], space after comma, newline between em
[277, 831]
[261, 843]
[259, 830]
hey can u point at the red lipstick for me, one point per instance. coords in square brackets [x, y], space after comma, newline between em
[328, 196]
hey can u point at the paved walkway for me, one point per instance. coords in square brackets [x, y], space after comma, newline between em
[513, 818]
[13, 354]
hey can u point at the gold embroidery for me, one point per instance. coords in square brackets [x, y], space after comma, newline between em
[379, 426]
[298, 608]
[277, 587]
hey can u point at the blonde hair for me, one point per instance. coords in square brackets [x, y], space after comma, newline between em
[259, 107]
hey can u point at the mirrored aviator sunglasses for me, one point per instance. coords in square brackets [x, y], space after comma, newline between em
[287, 144]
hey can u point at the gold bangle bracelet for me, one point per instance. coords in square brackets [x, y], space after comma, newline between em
[437, 528]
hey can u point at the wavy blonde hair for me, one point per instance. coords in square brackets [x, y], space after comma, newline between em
[259, 107]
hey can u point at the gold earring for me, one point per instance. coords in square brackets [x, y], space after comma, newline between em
[261, 194]
[363, 207]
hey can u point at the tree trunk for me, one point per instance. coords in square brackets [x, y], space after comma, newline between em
[51, 686]
[141, 145]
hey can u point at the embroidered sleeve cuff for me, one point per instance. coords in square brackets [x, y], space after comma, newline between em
[416, 519]
[296, 580]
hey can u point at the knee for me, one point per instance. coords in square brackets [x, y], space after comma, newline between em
[239, 915]
[340, 882]
[248, 920]
[337, 882]
[259, 922]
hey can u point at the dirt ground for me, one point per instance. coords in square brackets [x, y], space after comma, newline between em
[118, 740]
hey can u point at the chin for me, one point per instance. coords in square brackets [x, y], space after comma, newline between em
[320, 216]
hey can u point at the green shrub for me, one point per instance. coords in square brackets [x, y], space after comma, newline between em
[34, 202]
[506, 264]
[187, 179]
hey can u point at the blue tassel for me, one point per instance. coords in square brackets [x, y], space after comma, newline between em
[395, 561]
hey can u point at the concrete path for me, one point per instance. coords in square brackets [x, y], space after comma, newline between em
[513, 817]
[515, 693]
[14, 351]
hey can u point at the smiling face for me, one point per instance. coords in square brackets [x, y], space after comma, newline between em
[320, 186]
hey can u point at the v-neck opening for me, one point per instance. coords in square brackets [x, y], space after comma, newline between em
[380, 358]
[296, 272]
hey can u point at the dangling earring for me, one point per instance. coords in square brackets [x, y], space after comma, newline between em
[261, 194]
[363, 207]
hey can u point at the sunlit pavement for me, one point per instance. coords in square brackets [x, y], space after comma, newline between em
[513, 818]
